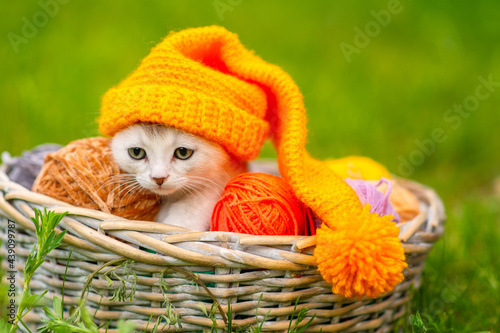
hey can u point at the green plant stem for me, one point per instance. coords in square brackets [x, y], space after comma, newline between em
[196, 278]
[97, 308]
[64, 281]
[91, 276]
[178, 269]
[25, 295]
[24, 324]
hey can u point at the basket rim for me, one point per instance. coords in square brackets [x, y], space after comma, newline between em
[98, 231]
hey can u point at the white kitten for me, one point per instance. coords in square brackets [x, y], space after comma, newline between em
[187, 171]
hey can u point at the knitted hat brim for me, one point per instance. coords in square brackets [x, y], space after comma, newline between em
[185, 110]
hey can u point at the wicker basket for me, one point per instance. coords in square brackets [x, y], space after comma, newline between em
[268, 271]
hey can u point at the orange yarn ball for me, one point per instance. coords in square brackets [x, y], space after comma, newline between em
[85, 174]
[261, 204]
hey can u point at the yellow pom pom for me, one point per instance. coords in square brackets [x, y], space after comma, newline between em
[358, 167]
[362, 256]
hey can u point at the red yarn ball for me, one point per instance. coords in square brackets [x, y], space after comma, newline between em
[261, 204]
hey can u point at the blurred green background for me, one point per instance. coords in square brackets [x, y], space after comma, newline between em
[383, 100]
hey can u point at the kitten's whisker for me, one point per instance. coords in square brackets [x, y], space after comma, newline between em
[121, 176]
[116, 179]
[200, 185]
[189, 190]
[127, 188]
[121, 184]
[186, 191]
[108, 181]
[204, 190]
[132, 191]
[207, 180]
[205, 183]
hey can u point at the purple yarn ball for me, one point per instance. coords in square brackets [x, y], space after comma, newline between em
[368, 193]
[24, 169]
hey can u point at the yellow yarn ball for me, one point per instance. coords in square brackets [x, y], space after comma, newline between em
[358, 167]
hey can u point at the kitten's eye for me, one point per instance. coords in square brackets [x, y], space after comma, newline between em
[137, 153]
[183, 153]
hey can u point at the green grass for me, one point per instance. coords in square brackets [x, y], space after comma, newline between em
[395, 91]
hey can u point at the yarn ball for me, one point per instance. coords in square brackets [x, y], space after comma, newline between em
[379, 201]
[261, 204]
[85, 174]
[358, 167]
[25, 168]
[404, 202]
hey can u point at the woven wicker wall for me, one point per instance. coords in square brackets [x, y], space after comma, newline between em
[239, 269]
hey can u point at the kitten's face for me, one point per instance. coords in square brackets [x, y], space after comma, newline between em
[165, 160]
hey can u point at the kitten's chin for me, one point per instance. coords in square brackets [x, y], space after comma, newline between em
[163, 191]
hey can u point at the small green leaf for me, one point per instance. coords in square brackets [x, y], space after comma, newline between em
[40, 296]
[58, 306]
[60, 237]
[303, 328]
[27, 299]
[110, 282]
[416, 321]
[49, 238]
[125, 326]
[37, 264]
[36, 219]
[49, 314]
[87, 318]
[202, 307]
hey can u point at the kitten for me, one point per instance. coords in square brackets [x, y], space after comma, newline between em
[188, 172]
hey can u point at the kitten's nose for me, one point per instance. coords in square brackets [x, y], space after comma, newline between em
[160, 180]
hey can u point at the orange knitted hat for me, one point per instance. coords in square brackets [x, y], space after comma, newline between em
[204, 81]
